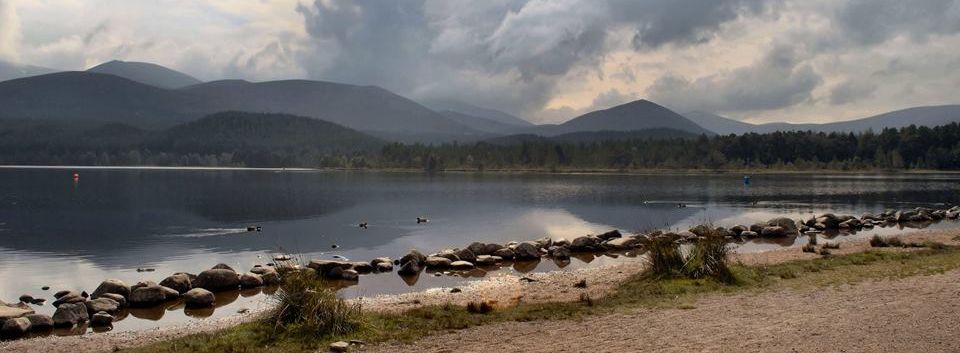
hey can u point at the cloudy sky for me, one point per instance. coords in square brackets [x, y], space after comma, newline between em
[547, 61]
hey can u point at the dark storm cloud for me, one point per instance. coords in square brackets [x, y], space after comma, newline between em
[875, 21]
[780, 79]
[509, 52]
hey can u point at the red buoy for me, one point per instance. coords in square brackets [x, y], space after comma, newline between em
[76, 176]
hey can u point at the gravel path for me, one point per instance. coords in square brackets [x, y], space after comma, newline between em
[916, 314]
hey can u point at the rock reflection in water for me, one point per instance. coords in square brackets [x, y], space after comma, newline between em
[525, 266]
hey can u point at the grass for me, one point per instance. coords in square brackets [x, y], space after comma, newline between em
[642, 291]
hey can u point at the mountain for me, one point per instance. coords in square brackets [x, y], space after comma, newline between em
[11, 71]
[594, 136]
[719, 124]
[472, 110]
[97, 98]
[480, 124]
[634, 116]
[233, 131]
[146, 73]
[921, 116]
[366, 108]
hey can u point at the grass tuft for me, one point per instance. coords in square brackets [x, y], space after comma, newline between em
[481, 307]
[305, 304]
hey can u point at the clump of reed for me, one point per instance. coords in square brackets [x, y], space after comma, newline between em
[586, 299]
[706, 258]
[305, 303]
[809, 248]
[481, 307]
[884, 242]
[830, 245]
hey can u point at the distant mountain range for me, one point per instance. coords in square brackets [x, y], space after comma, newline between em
[149, 96]
[146, 73]
[921, 116]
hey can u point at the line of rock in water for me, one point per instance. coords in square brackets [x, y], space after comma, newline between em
[197, 291]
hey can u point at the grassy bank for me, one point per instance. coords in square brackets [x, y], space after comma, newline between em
[637, 293]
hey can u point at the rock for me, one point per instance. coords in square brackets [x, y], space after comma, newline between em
[586, 243]
[738, 229]
[15, 328]
[70, 314]
[362, 267]
[701, 230]
[491, 249]
[251, 280]
[544, 243]
[62, 293]
[624, 243]
[26, 298]
[101, 319]
[114, 286]
[350, 275]
[40, 322]
[749, 234]
[487, 260]
[409, 268]
[461, 265]
[526, 251]
[384, 267]
[952, 215]
[504, 253]
[773, 232]
[339, 346]
[561, 242]
[466, 255]
[115, 297]
[324, 266]
[270, 278]
[610, 235]
[149, 295]
[102, 304]
[413, 255]
[380, 260]
[217, 279]
[199, 298]
[222, 266]
[559, 252]
[437, 262]
[789, 225]
[448, 254]
[69, 298]
[170, 293]
[179, 282]
[478, 248]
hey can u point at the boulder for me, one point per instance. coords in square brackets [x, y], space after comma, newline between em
[701, 230]
[478, 248]
[179, 282]
[70, 314]
[462, 265]
[199, 298]
[561, 242]
[26, 298]
[526, 251]
[380, 260]
[610, 235]
[438, 262]
[737, 229]
[384, 267]
[40, 322]
[490, 249]
[362, 267]
[14, 311]
[504, 253]
[339, 346]
[789, 225]
[260, 270]
[15, 328]
[586, 243]
[544, 243]
[222, 266]
[270, 278]
[116, 297]
[324, 266]
[487, 260]
[114, 286]
[62, 293]
[413, 255]
[773, 232]
[622, 243]
[101, 319]
[170, 293]
[71, 297]
[217, 279]
[250, 280]
[350, 275]
[102, 304]
[559, 252]
[448, 254]
[466, 255]
[149, 295]
[409, 268]
[749, 234]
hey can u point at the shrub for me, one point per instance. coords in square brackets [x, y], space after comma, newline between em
[809, 248]
[305, 303]
[708, 258]
[481, 307]
[665, 259]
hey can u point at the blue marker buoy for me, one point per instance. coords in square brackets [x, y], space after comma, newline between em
[746, 180]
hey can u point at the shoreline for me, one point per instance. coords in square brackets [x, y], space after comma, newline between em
[599, 172]
[502, 290]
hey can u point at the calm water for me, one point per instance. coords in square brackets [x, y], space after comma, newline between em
[72, 235]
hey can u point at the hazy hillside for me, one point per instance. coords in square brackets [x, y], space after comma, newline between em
[480, 124]
[719, 124]
[146, 73]
[921, 116]
[634, 116]
[232, 131]
[10, 71]
[365, 108]
[594, 136]
[472, 110]
[98, 98]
